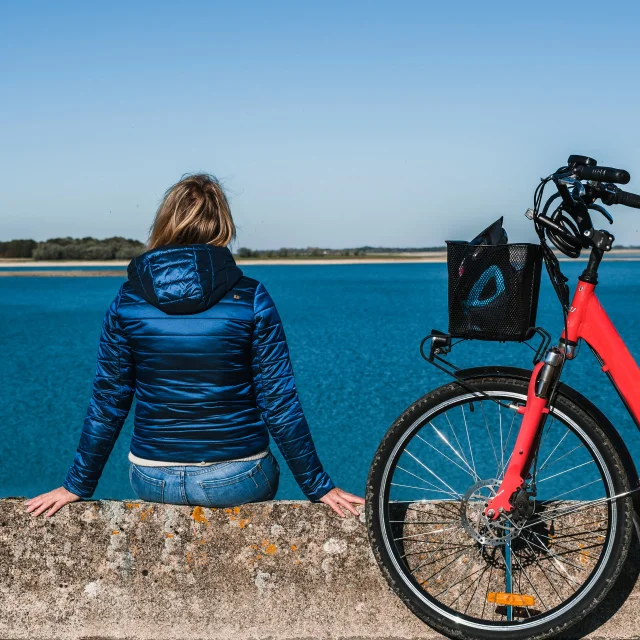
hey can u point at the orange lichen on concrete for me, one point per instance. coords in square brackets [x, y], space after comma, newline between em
[198, 515]
[293, 547]
[269, 547]
[132, 505]
[189, 558]
[115, 533]
[169, 535]
[234, 516]
[146, 513]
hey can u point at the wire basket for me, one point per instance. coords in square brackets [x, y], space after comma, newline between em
[493, 290]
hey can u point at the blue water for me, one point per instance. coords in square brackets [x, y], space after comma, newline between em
[90, 267]
[354, 332]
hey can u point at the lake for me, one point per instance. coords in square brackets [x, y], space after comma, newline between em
[354, 333]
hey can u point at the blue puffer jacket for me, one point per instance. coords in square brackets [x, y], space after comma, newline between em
[203, 350]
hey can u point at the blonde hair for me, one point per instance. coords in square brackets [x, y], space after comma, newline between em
[193, 211]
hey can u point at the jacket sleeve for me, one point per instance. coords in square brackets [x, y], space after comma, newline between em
[113, 390]
[278, 402]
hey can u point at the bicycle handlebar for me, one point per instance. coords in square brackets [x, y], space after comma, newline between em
[570, 228]
[627, 199]
[603, 174]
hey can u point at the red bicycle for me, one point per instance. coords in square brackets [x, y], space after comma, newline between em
[500, 505]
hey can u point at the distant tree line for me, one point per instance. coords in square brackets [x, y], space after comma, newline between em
[116, 248]
[317, 252]
[119, 248]
[17, 248]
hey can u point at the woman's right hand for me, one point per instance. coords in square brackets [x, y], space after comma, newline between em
[338, 499]
[53, 501]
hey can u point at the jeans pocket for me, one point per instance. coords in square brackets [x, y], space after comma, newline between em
[248, 486]
[270, 471]
[145, 487]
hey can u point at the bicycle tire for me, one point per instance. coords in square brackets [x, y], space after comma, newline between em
[618, 540]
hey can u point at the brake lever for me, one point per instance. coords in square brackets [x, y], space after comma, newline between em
[603, 211]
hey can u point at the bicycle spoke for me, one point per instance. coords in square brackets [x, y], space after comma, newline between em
[470, 472]
[486, 424]
[477, 583]
[486, 595]
[435, 475]
[580, 446]
[466, 427]
[428, 533]
[546, 431]
[506, 444]
[455, 584]
[561, 473]
[515, 556]
[542, 466]
[410, 486]
[423, 480]
[541, 567]
[557, 560]
[420, 522]
[554, 569]
[428, 563]
[457, 453]
[565, 511]
[423, 552]
[455, 435]
[566, 493]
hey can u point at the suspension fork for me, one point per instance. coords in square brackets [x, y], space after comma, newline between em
[545, 375]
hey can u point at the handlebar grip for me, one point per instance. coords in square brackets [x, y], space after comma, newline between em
[627, 199]
[603, 174]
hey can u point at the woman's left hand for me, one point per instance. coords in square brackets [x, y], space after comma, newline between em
[53, 501]
[338, 499]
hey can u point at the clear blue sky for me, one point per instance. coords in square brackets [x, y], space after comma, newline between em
[332, 124]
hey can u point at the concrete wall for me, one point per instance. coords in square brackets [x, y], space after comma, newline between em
[272, 570]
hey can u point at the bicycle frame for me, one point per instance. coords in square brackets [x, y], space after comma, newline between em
[587, 320]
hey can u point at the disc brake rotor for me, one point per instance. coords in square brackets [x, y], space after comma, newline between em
[487, 532]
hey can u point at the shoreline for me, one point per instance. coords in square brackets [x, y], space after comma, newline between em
[117, 268]
[439, 256]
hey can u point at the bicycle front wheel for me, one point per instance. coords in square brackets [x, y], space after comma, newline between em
[530, 574]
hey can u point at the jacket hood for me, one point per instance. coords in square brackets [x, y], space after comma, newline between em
[184, 279]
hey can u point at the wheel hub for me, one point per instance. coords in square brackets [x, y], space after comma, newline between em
[487, 532]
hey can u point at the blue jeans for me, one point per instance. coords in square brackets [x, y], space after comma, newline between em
[223, 484]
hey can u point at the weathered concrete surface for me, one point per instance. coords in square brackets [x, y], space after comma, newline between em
[272, 570]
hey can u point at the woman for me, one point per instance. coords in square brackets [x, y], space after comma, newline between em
[203, 349]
